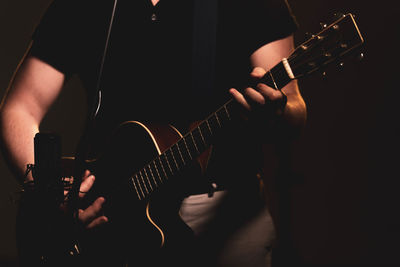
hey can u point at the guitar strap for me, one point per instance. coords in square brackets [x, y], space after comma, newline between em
[82, 147]
[205, 17]
[204, 46]
[204, 51]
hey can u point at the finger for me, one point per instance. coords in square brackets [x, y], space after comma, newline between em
[87, 183]
[67, 184]
[240, 99]
[268, 92]
[87, 215]
[86, 174]
[257, 77]
[97, 222]
[254, 97]
[258, 72]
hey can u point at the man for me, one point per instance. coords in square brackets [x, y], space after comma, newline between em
[147, 76]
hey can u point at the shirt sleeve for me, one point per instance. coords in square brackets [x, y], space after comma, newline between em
[55, 37]
[270, 20]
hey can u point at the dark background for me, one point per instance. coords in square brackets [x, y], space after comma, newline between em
[344, 206]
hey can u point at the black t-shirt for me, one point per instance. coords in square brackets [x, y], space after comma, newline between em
[148, 68]
[148, 65]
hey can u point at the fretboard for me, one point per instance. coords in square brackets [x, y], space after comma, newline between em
[177, 157]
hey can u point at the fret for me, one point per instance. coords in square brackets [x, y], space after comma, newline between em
[209, 128]
[277, 77]
[172, 166]
[150, 174]
[162, 168]
[183, 149]
[178, 156]
[189, 141]
[174, 159]
[207, 134]
[169, 169]
[227, 112]
[201, 135]
[216, 117]
[280, 75]
[198, 140]
[148, 179]
[267, 79]
[136, 189]
[140, 187]
[186, 147]
[222, 116]
[180, 153]
[231, 108]
[194, 143]
[157, 171]
[274, 85]
[144, 183]
[213, 123]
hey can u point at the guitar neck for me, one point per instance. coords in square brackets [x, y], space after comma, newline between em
[190, 146]
[200, 138]
[333, 42]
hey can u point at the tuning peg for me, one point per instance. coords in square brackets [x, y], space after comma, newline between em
[339, 15]
[341, 66]
[309, 35]
[361, 56]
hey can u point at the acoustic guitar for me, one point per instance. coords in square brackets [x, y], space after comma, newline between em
[141, 171]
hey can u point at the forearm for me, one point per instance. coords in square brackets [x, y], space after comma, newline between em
[18, 129]
[33, 88]
[294, 114]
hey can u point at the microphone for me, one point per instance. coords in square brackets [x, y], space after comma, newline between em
[47, 167]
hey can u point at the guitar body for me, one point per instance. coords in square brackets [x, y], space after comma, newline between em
[137, 225]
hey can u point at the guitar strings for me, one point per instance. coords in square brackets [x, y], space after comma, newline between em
[276, 73]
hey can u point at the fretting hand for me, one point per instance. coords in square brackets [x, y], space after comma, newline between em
[261, 96]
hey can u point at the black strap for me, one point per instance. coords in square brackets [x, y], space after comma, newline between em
[82, 147]
[205, 17]
[204, 45]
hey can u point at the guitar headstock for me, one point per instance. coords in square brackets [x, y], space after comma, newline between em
[334, 42]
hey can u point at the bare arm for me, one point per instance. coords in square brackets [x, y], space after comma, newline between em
[34, 87]
[264, 59]
[293, 115]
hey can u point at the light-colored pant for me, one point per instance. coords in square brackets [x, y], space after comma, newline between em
[230, 228]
